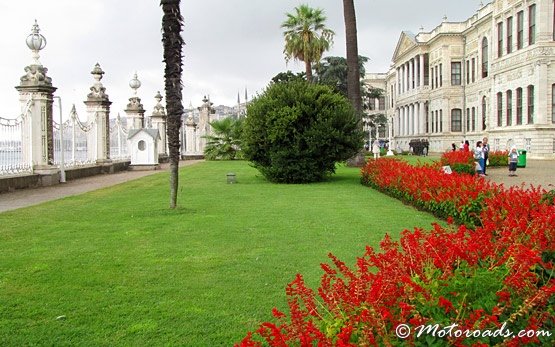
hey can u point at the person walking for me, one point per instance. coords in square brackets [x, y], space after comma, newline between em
[513, 160]
[467, 146]
[376, 149]
[485, 148]
[479, 158]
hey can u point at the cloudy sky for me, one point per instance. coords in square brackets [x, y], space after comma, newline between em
[230, 44]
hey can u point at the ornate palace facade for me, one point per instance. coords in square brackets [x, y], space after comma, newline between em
[492, 75]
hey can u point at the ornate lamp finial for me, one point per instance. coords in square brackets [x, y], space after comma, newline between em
[135, 83]
[35, 41]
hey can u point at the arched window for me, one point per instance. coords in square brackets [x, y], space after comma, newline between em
[484, 57]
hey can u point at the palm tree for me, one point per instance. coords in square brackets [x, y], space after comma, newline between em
[172, 23]
[353, 76]
[225, 141]
[306, 36]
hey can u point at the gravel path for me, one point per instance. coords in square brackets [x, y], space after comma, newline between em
[29, 197]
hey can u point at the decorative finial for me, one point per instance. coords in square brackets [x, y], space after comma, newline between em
[35, 41]
[97, 90]
[421, 29]
[97, 72]
[158, 97]
[445, 18]
[481, 4]
[135, 83]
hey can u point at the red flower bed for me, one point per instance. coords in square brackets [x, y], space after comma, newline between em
[496, 274]
[459, 161]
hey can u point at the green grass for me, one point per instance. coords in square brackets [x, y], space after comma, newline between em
[116, 267]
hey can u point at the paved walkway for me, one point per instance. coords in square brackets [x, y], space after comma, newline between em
[28, 197]
[536, 173]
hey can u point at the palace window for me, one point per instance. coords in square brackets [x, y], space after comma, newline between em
[467, 119]
[474, 119]
[473, 70]
[519, 106]
[484, 57]
[499, 39]
[440, 121]
[519, 30]
[440, 75]
[499, 109]
[456, 121]
[484, 113]
[467, 71]
[509, 107]
[381, 103]
[532, 24]
[509, 35]
[553, 103]
[456, 73]
[530, 104]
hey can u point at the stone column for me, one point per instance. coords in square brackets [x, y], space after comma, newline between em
[421, 84]
[36, 95]
[204, 127]
[158, 121]
[135, 111]
[98, 114]
[543, 86]
[190, 136]
[422, 117]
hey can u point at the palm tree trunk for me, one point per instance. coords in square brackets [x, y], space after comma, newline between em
[353, 74]
[172, 23]
[308, 70]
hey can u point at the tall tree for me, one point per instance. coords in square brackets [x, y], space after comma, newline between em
[353, 75]
[172, 24]
[333, 72]
[306, 36]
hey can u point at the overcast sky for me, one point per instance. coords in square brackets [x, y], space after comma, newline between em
[230, 44]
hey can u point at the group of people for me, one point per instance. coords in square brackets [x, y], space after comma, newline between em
[481, 154]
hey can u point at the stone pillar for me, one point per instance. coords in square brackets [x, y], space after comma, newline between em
[98, 114]
[542, 89]
[36, 94]
[158, 121]
[204, 127]
[135, 111]
[421, 84]
[190, 136]
[422, 117]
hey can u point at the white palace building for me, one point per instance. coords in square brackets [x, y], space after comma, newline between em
[492, 75]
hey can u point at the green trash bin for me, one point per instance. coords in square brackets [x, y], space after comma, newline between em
[521, 158]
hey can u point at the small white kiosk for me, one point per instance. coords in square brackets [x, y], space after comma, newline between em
[143, 145]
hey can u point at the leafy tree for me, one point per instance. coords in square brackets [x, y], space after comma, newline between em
[225, 142]
[172, 23]
[296, 132]
[288, 77]
[333, 72]
[306, 36]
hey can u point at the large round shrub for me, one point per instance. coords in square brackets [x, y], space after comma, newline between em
[296, 132]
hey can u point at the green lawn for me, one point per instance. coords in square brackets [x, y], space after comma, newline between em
[116, 267]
